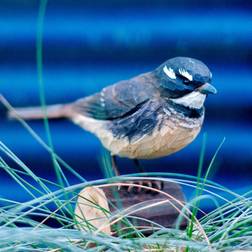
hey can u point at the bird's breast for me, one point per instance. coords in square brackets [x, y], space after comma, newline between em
[168, 136]
[154, 131]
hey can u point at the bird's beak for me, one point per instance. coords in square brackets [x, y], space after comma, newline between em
[207, 88]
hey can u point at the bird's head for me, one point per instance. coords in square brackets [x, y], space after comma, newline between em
[185, 80]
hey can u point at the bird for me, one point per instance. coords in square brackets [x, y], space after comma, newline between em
[151, 115]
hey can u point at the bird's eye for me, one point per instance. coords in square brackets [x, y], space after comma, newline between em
[186, 81]
[183, 79]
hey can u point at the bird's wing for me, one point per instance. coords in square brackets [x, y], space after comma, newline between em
[117, 100]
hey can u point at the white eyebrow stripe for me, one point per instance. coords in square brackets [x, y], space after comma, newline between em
[169, 72]
[186, 74]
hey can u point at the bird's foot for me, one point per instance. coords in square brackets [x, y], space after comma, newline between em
[146, 186]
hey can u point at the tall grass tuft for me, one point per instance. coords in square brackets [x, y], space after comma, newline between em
[26, 225]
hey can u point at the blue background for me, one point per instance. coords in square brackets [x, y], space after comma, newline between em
[91, 44]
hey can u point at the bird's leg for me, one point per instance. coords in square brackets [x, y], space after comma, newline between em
[117, 173]
[114, 165]
[131, 188]
[115, 168]
[150, 183]
[138, 165]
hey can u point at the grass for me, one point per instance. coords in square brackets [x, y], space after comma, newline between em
[25, 226]
[226, 228]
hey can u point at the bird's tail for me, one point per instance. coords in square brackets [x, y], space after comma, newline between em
[33, 113]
